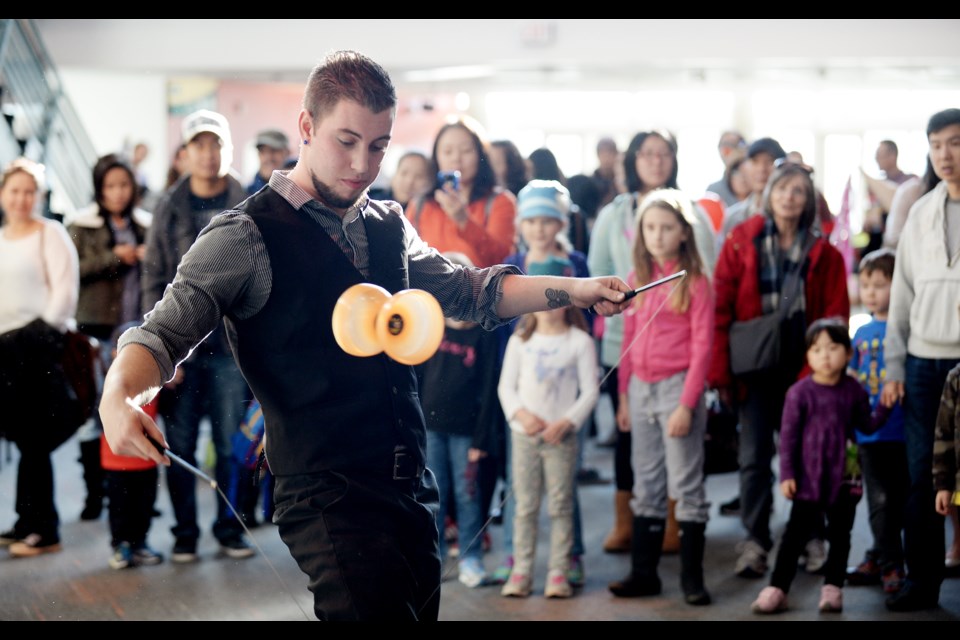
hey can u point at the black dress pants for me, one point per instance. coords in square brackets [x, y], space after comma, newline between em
[368, 544]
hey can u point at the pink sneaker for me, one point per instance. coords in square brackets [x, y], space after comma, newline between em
[770, 600]
[831, 599]
[557, 585]
[518, 586]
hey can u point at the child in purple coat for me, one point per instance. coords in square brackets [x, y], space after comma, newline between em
[817, 472]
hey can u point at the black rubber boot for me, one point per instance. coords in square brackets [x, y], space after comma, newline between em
[644, 558]
[93, 478]
[692, 542]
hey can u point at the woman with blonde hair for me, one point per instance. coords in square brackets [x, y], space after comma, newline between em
[39, 285]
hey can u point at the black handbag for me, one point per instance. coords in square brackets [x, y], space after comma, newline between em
[43, 407]
[79, 362]
[755, 344]
[73, 378]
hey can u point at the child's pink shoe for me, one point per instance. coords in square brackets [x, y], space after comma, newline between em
[770, 600]
[831, 599]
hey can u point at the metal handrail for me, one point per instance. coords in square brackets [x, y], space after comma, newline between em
[41, 116]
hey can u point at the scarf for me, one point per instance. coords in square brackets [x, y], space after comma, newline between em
[775, 264]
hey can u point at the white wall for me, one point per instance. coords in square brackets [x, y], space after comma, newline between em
[696, 77]
[611, 50]
[119, 109]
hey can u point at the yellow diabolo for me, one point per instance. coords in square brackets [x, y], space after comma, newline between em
[408, 325]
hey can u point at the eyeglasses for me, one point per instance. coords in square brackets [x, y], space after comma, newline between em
[651, 155]
[733, 145]
[783, 162]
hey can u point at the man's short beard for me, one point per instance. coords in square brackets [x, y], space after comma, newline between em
[328, 197]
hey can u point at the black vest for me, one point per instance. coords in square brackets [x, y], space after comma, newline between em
[324, 409]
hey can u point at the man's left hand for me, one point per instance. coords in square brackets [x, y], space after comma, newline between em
[604, 294]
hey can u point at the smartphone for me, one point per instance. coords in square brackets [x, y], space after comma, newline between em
[451, 177]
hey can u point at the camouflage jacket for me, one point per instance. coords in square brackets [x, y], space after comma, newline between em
[946, 441]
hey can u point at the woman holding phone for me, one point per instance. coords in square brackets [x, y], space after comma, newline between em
[469, 214]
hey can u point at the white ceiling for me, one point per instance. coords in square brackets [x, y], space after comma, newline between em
[489, 54]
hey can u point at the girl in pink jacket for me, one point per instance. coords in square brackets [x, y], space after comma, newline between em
[666, 349]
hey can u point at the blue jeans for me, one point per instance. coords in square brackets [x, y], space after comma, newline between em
[887, 481]
[923, 537]
[213, 387]
[447, 458]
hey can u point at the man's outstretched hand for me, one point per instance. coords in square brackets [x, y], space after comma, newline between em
[605, 294]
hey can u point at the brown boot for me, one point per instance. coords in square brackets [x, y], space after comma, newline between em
[671, 536]
[618, 540]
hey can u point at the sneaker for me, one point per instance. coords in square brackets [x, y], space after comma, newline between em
[144, 556]
[912, 597]
[557, 585]
[472, 573]
[892, 580]
[730, 508]
[866, 573]
[831, 599]
[184, 551]
[7, 538]
[816, 552]
[502, 573]
[591, 477]
[575, 571]
[770, 600]
[122, 556]
[518, 586]
[235, 547]
[33, 545]
[453, 550]
[752, 562]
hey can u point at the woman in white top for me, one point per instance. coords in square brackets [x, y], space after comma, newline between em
[39, 286]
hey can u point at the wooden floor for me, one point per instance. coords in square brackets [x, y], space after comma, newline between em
[77, 584]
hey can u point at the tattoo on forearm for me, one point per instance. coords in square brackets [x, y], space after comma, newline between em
[557, 298]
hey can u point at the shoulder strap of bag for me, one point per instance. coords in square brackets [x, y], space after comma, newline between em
[43, 255]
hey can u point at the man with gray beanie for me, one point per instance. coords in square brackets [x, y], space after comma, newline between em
[273, 149]
[761, 156]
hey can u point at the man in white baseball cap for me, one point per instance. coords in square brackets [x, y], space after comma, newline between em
[211, 384]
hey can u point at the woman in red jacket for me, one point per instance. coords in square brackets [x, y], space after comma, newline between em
[475, 217]
[748, 282]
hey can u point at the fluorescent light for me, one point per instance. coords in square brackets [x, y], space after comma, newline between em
[440, 74]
